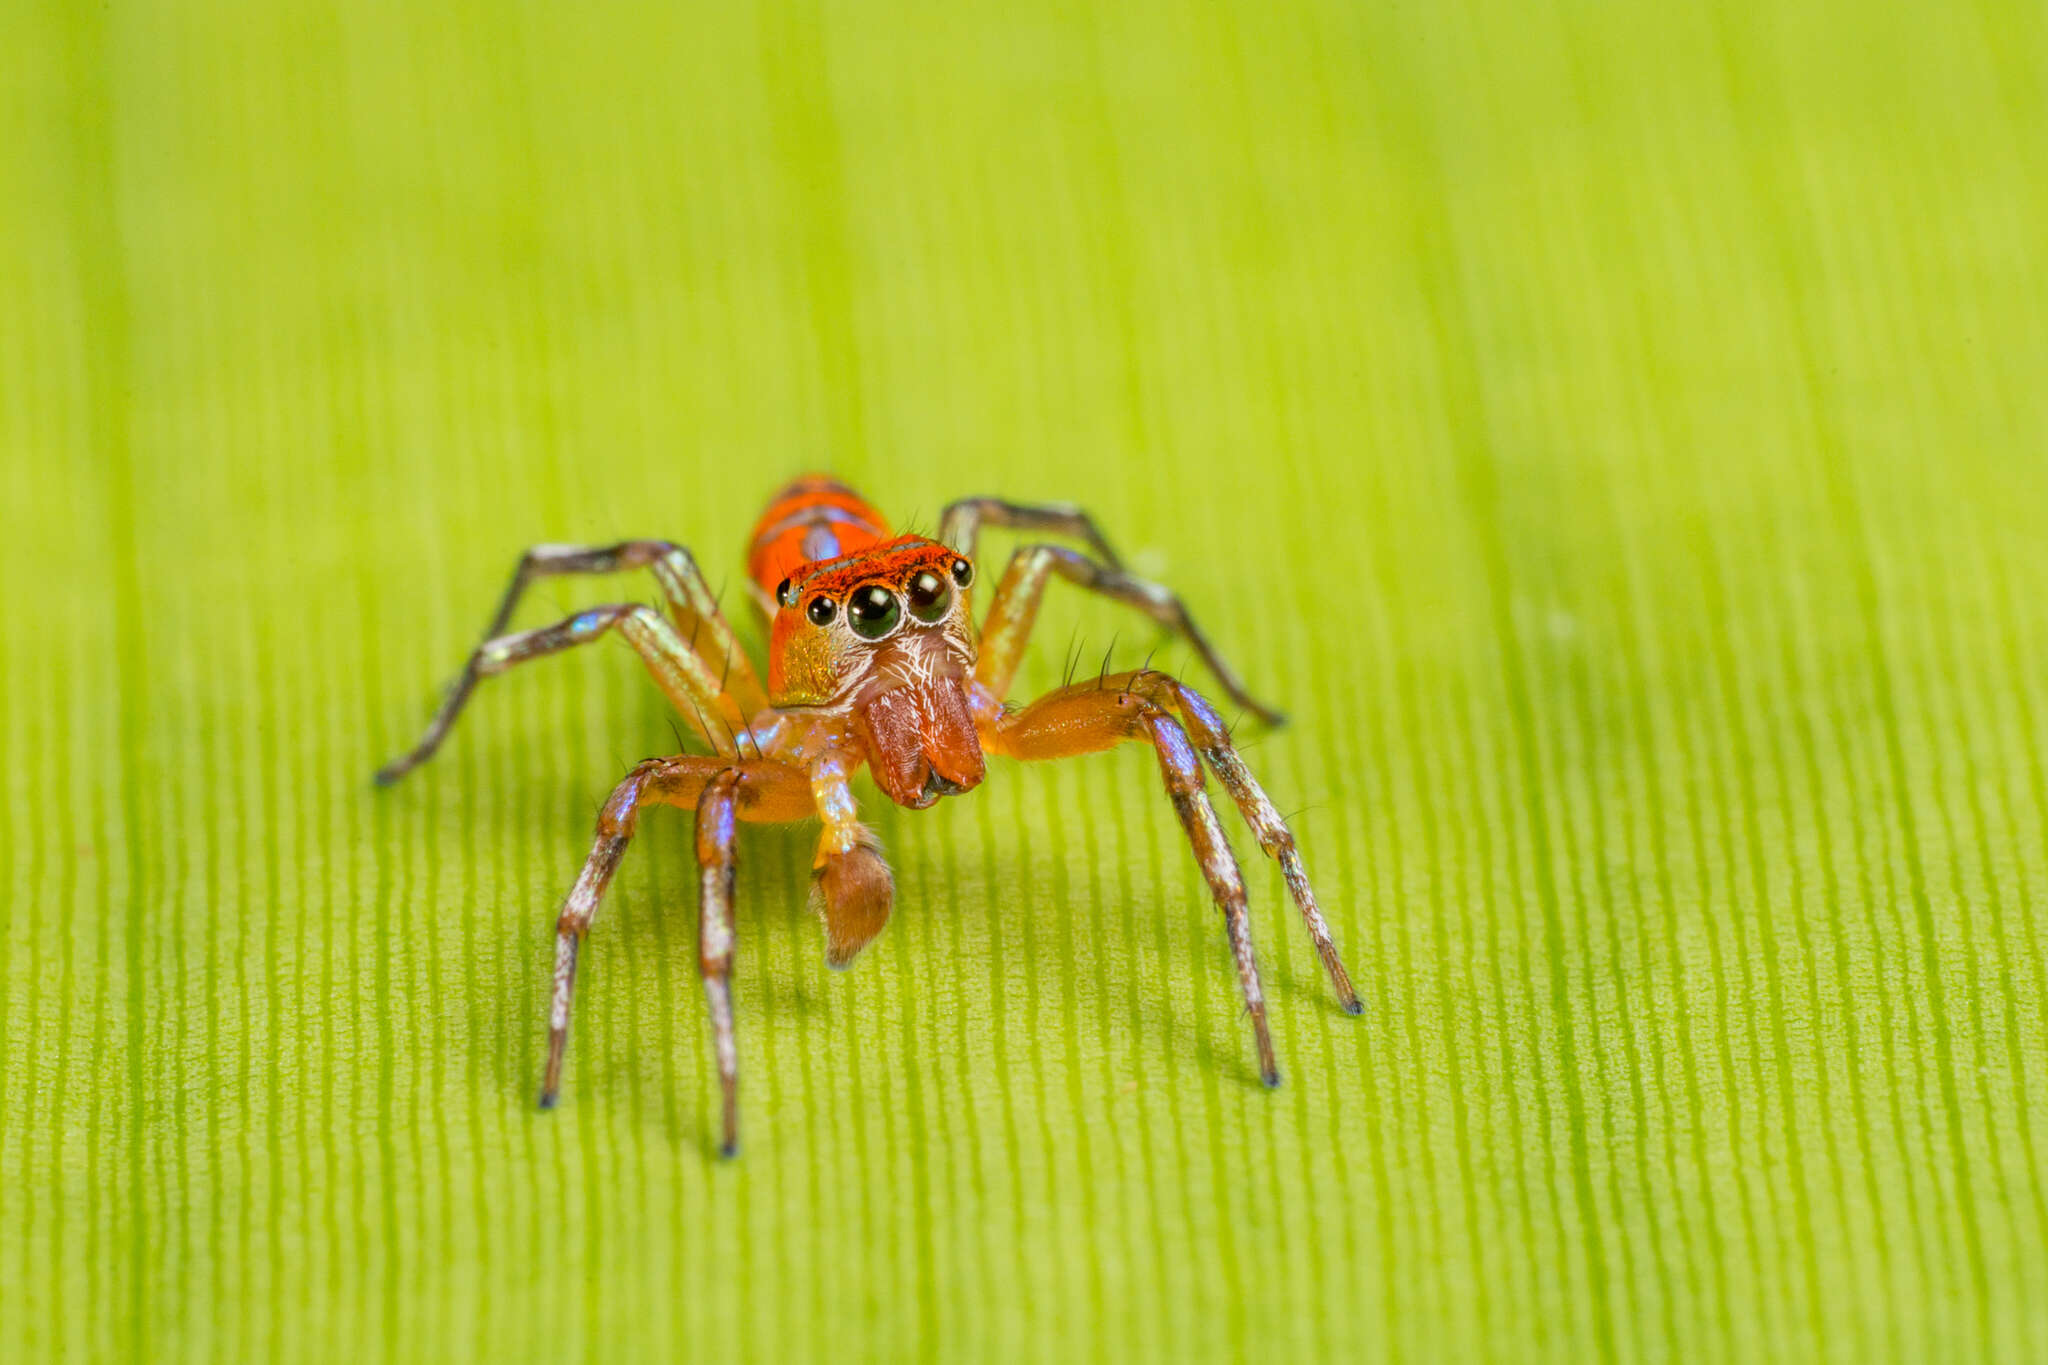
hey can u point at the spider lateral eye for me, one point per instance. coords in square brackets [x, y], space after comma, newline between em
[930, 596]
[785, 593]
[821, 611]
[963, 572]
[873, 612]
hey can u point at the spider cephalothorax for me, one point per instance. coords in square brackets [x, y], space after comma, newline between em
[874, 660]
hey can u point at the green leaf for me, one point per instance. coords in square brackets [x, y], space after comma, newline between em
[1613, 433]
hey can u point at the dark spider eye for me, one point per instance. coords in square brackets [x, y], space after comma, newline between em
[785, 593]
[963, 572]
[821, 611]
[873, 612]
[930, 596]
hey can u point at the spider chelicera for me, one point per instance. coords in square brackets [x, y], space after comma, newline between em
[874, 658]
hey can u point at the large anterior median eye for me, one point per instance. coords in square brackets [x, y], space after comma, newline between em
[873, 612]
[930, 596]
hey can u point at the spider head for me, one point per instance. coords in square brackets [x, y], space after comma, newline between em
[885, 635]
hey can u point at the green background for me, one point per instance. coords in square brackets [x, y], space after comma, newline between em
[1615, 432]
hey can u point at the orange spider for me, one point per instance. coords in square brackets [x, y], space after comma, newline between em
[874, 658]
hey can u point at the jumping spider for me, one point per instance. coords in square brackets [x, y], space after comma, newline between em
[874, 658]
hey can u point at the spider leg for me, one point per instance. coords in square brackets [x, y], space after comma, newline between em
[616, 823]
[1088, 719]
[693, 609]
[1212, 737]
[1007, 630]
[679, 670]
[691, 603]
[761, 790]
[960, 524]
[717, 866]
